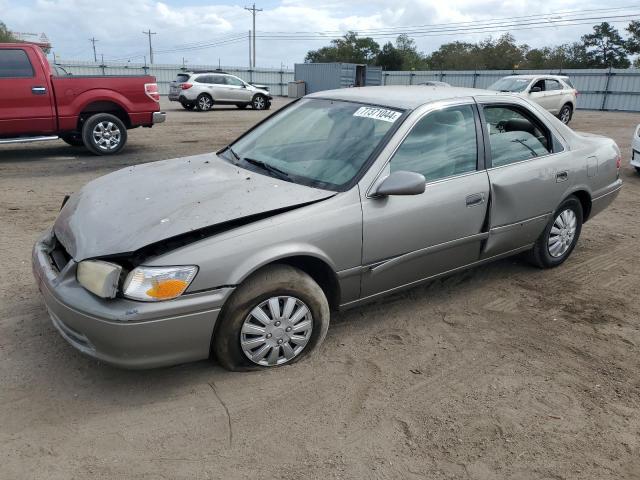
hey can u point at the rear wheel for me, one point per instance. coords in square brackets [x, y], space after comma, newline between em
[277, 316]
[204, 102]
[104, 134]
[561, 235]
[73, 139]
[566, 112]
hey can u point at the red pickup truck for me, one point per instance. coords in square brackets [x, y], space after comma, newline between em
[94, 111]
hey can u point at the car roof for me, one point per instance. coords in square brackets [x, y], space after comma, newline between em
[400, 96]
[531, 77]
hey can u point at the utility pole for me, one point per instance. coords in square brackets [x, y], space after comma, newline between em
[93, 42]
[249, 48]
[149, 33]
[253, 10]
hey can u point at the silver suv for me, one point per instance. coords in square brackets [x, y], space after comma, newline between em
[202, 90]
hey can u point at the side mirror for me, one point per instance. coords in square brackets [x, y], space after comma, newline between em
[402, 183]
[536, 90]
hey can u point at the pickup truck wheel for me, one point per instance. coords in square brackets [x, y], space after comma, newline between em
[204, 102]
[104, 134]
[73, 139]
[259, 102]
[276, 317]
[558, 240]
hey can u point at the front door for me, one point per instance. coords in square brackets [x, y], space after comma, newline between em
[410, 238]
[26, 102]
[237, 90]
[529, 173]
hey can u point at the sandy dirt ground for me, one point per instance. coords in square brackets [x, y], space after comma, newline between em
[501, 372]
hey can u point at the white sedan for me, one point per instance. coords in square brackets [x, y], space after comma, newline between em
[554, 93]
[635, 149]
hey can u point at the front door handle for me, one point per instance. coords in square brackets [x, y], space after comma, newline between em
[562, 176]
[475, 199]
[39, 90]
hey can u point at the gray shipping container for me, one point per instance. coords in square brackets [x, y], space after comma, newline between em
[329, 76]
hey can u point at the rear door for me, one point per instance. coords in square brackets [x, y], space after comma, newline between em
[553, 95]
[25, 97]
[410, 238]
[529, 170]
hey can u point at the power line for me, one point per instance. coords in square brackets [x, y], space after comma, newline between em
[149, 33]
[253, 10]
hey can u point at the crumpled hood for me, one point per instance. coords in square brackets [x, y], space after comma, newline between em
[134, 207]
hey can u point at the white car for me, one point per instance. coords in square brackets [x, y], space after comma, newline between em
[635, 149]
[555, 93]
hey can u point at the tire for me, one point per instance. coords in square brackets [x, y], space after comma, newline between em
[204, 102]
[260, 102]
[237, 323]
[638, 169]
[188, 106]
[112, 139]
[241, 106]
[73, 139]
[566, 113]
[547, 255]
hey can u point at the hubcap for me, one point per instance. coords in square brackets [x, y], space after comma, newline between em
[106, 135]
[259, 103]
[276, 331]
[205, 103]
[562, 233]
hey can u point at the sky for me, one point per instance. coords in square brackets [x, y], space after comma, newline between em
[208, 32]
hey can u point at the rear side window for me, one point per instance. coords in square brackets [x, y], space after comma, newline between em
[204, 79]
[552, 85]
[182, 78]
[568, 82]
[15, 64]
[515, 136]
[218, 80]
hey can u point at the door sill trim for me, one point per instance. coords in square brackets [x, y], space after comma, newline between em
[4, 141]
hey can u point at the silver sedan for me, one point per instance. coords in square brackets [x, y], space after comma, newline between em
[337, 199]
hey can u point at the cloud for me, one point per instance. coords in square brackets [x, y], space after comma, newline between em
[118, 25]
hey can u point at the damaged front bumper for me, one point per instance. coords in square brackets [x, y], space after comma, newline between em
[122, 332]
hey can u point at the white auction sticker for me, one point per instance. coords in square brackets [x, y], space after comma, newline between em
[376, 113]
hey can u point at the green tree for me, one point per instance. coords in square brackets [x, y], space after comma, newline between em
[389, 57]
[412, 59]
[605, 47]
[5, 34]
[351, 48]
[454, 56]
[501, 54]
[633, 43]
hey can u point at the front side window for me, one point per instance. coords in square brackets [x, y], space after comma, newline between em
[236, 82]
[15, 64]
[540, 84]
[317, 142]
[440, 145]
[514, 135]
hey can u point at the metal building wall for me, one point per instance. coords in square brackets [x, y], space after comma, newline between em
[600, 89]
[274, 78]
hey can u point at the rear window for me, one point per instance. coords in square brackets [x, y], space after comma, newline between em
[15, 64]
[568, 82]
[182, 78]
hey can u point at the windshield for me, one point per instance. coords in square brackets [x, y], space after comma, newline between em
[508, 84]
[322, 143]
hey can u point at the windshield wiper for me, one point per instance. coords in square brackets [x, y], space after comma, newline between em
[235, 155]
[267, 167]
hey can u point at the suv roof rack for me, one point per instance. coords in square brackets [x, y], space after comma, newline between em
[210, 71]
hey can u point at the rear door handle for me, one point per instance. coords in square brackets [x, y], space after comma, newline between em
[562, 176]
[39, 90]
[475, 199]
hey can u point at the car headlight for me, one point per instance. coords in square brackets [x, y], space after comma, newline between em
[100, 278]
[152, 284]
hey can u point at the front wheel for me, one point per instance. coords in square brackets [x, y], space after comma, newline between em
[104, 134]
[559, 239]
[277, 316]
[566, 112]
[260, 102]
